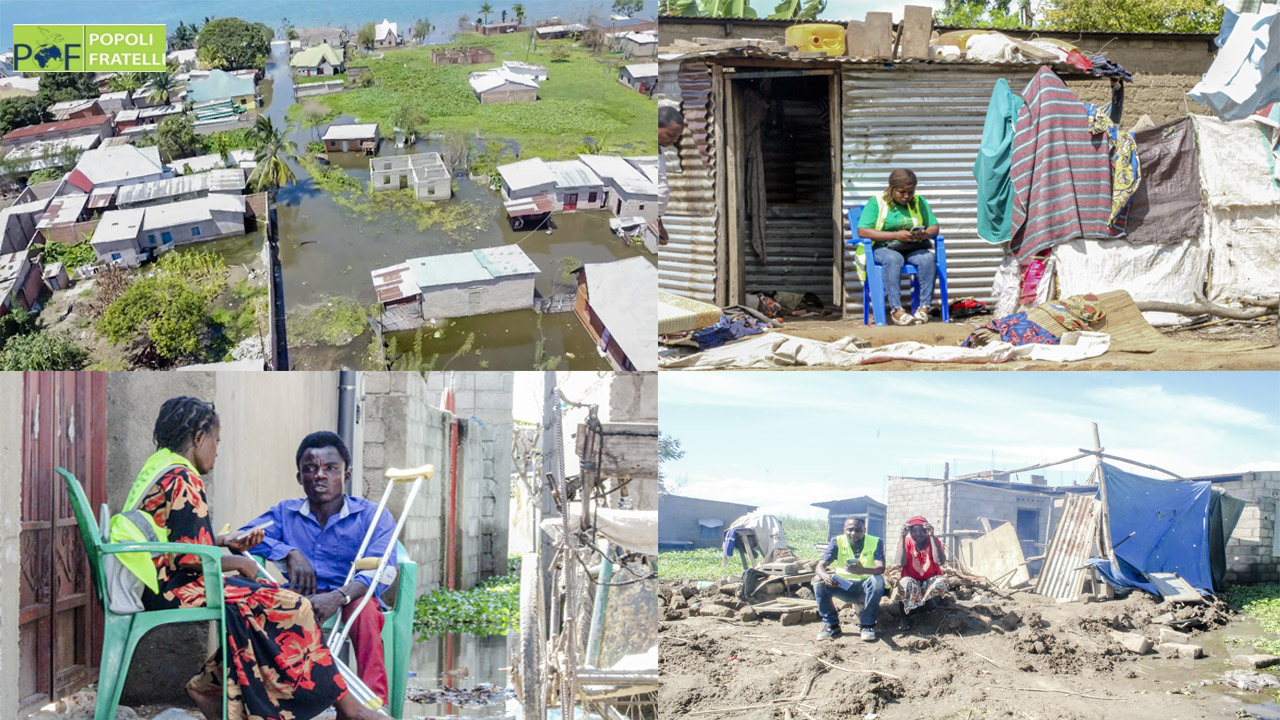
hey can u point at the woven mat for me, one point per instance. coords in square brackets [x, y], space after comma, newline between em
[1130, 332]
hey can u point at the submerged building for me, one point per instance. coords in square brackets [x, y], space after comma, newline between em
[479, 282]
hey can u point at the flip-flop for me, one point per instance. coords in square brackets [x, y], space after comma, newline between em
[896, 315]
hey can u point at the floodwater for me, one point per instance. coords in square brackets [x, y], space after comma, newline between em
[460, 661]
[1219, 650]
[326, 253]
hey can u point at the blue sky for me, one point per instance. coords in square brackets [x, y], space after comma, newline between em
[783, 440]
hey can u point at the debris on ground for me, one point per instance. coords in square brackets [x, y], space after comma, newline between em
[481, 694]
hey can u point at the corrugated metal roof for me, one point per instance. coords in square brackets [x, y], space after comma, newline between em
[351, 131]
[92, 121]
[394, 283]
[642, 70]
[573, 174]
[764, 53]
[1062, 576]
[526, 174]
[119, 163]
[506, 261]
[101, 197]
[181, 185]
[483, 81]
[694, 20]
[384, 28]
[314, 55]
[62, 210]
[189, 211]
[197, 164]
[621, 294]
[536, 205]
[626, 176]
[118, 225]
[441, 270]
[220, 84]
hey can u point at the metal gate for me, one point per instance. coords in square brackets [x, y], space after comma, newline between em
[60, 619]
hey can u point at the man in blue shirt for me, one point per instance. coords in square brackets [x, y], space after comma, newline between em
[316, 539]
[852, 570]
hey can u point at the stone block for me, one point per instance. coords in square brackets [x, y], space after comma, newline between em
[375, 430]
[1255, 661]
[375, 457]
[1169, 635]
[1180, 650]
[377, 383]
[1132, 642]
[714, 610]
[791, 618]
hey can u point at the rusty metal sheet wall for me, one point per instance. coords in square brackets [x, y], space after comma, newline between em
[928, 119]
[1072, 545]
[687, 263]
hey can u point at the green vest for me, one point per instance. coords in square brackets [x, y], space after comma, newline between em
[882, 212]
[845, 552]
[133, 525]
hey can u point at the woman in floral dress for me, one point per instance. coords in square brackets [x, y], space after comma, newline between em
[921, 555]
[278, 662]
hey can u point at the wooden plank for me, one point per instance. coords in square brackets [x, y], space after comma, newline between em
[916, 26]
[879, 35]
[1174, 589]
[624, 450]
[998, 554]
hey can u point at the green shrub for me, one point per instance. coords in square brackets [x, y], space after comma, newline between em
[490, 608]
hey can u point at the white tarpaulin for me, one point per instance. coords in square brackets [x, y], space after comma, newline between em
[635, 530]
[1243, 221]
[768, 531]
[1170, 273]
[772, 350]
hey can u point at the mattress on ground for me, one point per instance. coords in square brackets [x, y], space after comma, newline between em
[680, 314]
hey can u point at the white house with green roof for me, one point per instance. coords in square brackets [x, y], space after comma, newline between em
[222, 85]
[318, 60]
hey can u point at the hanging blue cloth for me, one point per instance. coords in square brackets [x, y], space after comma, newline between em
[991, 169]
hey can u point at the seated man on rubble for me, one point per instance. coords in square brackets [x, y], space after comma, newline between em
[921, 556]
[316, 539]
[851, 570]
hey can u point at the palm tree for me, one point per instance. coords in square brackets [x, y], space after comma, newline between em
[273, 152]
[160, 85]
[184, 36]
[485, 9]
[127, 82]
[422, 29]
[518, 9]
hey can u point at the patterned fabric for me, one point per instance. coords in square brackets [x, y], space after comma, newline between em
[1061, 179]
[1016, 329]
[920, 563]
[917, 592]
[281, 667]
[1077, 312]
[1126, 172]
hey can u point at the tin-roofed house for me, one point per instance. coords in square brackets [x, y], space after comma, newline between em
[871, 511]
[210, 217]
[638, 44]
[72, 109]
[501, 86]
[615, 305]
[115, 240]
[118, 165]
[489, 280]
[629, 191]
[352, 138]
[386, 34]
[688, 522]
[21, 281]
[318, 60]
[577, 187]
[222, 86]
[641, 77]
[560, 31]
[183, 187]
[526, 70]
[526, 180]
[425, 172]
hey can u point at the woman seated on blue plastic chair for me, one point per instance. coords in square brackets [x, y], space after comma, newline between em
[901, 226]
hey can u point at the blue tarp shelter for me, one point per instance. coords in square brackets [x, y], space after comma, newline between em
[1178, 527]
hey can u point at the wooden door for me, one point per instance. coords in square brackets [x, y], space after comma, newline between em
[60, 617]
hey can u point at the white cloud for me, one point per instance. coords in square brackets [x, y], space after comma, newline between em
[1156, 403]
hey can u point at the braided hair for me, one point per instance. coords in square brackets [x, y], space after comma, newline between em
[181, 419]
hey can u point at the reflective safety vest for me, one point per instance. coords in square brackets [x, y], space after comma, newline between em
[882, 212]
[844, 552]
[134, 525]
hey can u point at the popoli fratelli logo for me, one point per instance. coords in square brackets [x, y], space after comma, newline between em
[89, 48]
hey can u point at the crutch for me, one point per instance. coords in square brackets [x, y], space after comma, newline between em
[414, 477]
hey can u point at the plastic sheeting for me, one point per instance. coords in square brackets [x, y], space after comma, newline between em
[1177, 527]
[774, 350]
[768, 530]
[1170, 273]
[1245, 76]
[1243, 216]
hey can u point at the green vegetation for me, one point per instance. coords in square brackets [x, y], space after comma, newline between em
[233, 44]
[1262, 602]
[272, 151]
[16, 112]
[71, 256]
[490, 608]
[335, 322]
[58, 86]
[45, 175]
[669, 450]
[307, 80]
[41, 350]
[1162, 16]
[785, 10]
[803, 536]
[581, 99]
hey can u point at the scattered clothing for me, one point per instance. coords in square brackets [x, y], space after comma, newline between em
[775, 350]
[966, 307]
[1245, 75]
[1077, 60]
[727, 330]
[1073, 346]
[1060, 174]
[916, 592]
[1077, 312]
[1102, 67]
[991, 169]
[1032, 272]
[1166, 207]
[1015, 329]
[1126, 172]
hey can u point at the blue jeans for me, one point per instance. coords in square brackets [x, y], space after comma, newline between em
[891, 262]
[866, 593]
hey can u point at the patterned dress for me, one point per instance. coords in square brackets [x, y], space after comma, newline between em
[280, 665]
[922, 578]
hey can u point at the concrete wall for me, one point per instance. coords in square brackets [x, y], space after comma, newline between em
[678, 519]
[255, 469]
[220, 225]
[1253, 555]
[645, 207]
[907, 497]
[478, 298]
[494, 97]
[10, 526]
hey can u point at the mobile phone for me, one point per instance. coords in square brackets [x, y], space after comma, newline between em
[248, 531]
[917, 230]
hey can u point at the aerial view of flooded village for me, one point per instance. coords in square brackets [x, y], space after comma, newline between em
[374, 185]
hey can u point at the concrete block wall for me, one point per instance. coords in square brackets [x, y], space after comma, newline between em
[908, 497]
[1252, 552]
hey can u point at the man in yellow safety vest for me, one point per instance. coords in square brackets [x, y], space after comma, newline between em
[851, 570]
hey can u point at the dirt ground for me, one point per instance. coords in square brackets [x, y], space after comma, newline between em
[953, 333]
[1035, 658]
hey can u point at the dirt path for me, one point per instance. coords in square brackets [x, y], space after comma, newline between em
[1035, 659]
[938, 333]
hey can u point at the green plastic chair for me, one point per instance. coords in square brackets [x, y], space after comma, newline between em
[122, 632]
[397, 629]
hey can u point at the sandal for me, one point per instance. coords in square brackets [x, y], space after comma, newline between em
[900, 317]
[921, 317]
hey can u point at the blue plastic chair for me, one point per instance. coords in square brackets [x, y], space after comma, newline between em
[873, 286]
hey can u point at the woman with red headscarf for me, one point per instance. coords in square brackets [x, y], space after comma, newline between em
[921, 556]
